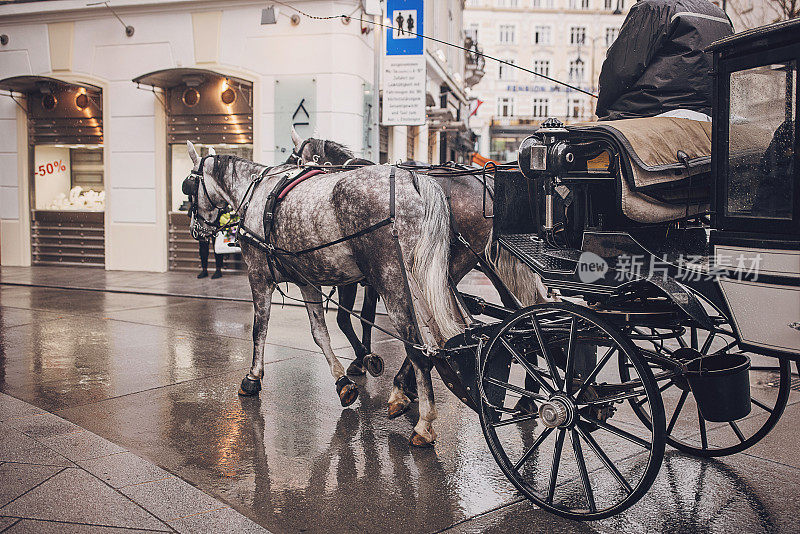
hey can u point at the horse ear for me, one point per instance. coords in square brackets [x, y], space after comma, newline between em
[315, 133]
[193, 153]
[296, 139]
[211, 151]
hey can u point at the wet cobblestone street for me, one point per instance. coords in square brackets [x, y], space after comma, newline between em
[157, 374]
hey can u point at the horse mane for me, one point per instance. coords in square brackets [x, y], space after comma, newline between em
[333, 151]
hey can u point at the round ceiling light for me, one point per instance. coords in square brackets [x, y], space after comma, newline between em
[49, 102]
[228, 96]
[190, 97]
[82, 101]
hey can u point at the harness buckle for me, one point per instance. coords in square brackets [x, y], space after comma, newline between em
[462, 240]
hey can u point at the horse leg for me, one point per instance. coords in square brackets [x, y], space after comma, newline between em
[403, 317]
[347, 390]
[262, 303]
[404, 390]
[373, 362]
[347, 299]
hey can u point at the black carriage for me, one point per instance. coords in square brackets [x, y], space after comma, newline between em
[671, 251]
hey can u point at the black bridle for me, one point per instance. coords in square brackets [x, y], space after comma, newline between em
[191, 187]
[297, 154]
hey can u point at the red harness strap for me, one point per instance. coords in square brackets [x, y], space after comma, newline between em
[297, 180]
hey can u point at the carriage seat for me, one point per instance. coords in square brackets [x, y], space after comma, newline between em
[656, 184]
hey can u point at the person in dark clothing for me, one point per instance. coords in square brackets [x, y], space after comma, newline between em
[657, 64]
[205, 246]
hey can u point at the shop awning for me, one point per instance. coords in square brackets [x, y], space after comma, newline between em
[169, 78]
[30, 84]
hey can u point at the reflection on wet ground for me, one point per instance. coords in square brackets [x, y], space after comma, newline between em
[158, 375]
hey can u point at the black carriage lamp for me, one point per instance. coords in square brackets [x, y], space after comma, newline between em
[3, 39]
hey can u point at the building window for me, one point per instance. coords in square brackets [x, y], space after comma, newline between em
[541, 66]
[608, 5]
[541, 35]
[547, 4]
[577, 35]
[506, 72]
[575, 108]
[540, 107]
[579, 4]
[505, 106]
[473, 3]
[472, 32]
[611, 36]
[576, 70]
[508, 3]
[507, 33]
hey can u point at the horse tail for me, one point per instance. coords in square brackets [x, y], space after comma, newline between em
[431, 266]
[521, 280]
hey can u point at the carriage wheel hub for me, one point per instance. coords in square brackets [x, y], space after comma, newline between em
[556, 412]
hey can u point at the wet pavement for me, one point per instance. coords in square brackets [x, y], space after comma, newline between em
[157, 375]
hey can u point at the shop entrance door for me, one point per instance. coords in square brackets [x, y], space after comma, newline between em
[212, 111]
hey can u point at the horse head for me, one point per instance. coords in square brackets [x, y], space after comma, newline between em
[206, 200]
[319, 151]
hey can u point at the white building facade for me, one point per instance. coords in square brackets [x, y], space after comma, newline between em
[564, 39]
[235, 75]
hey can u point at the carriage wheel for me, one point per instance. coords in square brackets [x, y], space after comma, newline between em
[554, 411]
[687, 430]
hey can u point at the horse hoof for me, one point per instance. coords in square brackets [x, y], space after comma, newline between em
[396, 409]
[347, 390]
[249, 387]
[417, 440]
[355, 369]
[374, 364]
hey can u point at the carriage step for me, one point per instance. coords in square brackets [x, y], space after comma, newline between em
[533, 251]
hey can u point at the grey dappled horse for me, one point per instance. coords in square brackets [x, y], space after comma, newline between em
[321, 210]
[465, 195]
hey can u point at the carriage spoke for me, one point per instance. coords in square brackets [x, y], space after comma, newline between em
[587, 486]
[693, 337]
[736, 431]
[515, 389]
[665, 386]
[703, 435]
[528, 368]
[677, 411]
[539, 440]
[618, 431]
[726, 347]
[707, 343]
[761, 405]
[546, 352]
[556, 461]
[595, 371]
[569, 370]
[521, 418]
[604, 458]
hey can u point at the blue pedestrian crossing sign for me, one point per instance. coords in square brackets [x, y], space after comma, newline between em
[405, 36]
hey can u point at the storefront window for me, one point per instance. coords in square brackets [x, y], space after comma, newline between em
[69, 177]
[182, 165]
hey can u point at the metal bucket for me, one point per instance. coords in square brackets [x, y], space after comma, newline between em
[721, 386]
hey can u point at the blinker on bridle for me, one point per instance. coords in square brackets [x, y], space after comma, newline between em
[191, 188]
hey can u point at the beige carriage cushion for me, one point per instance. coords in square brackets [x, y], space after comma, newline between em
[646, 209]
[654, 143]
